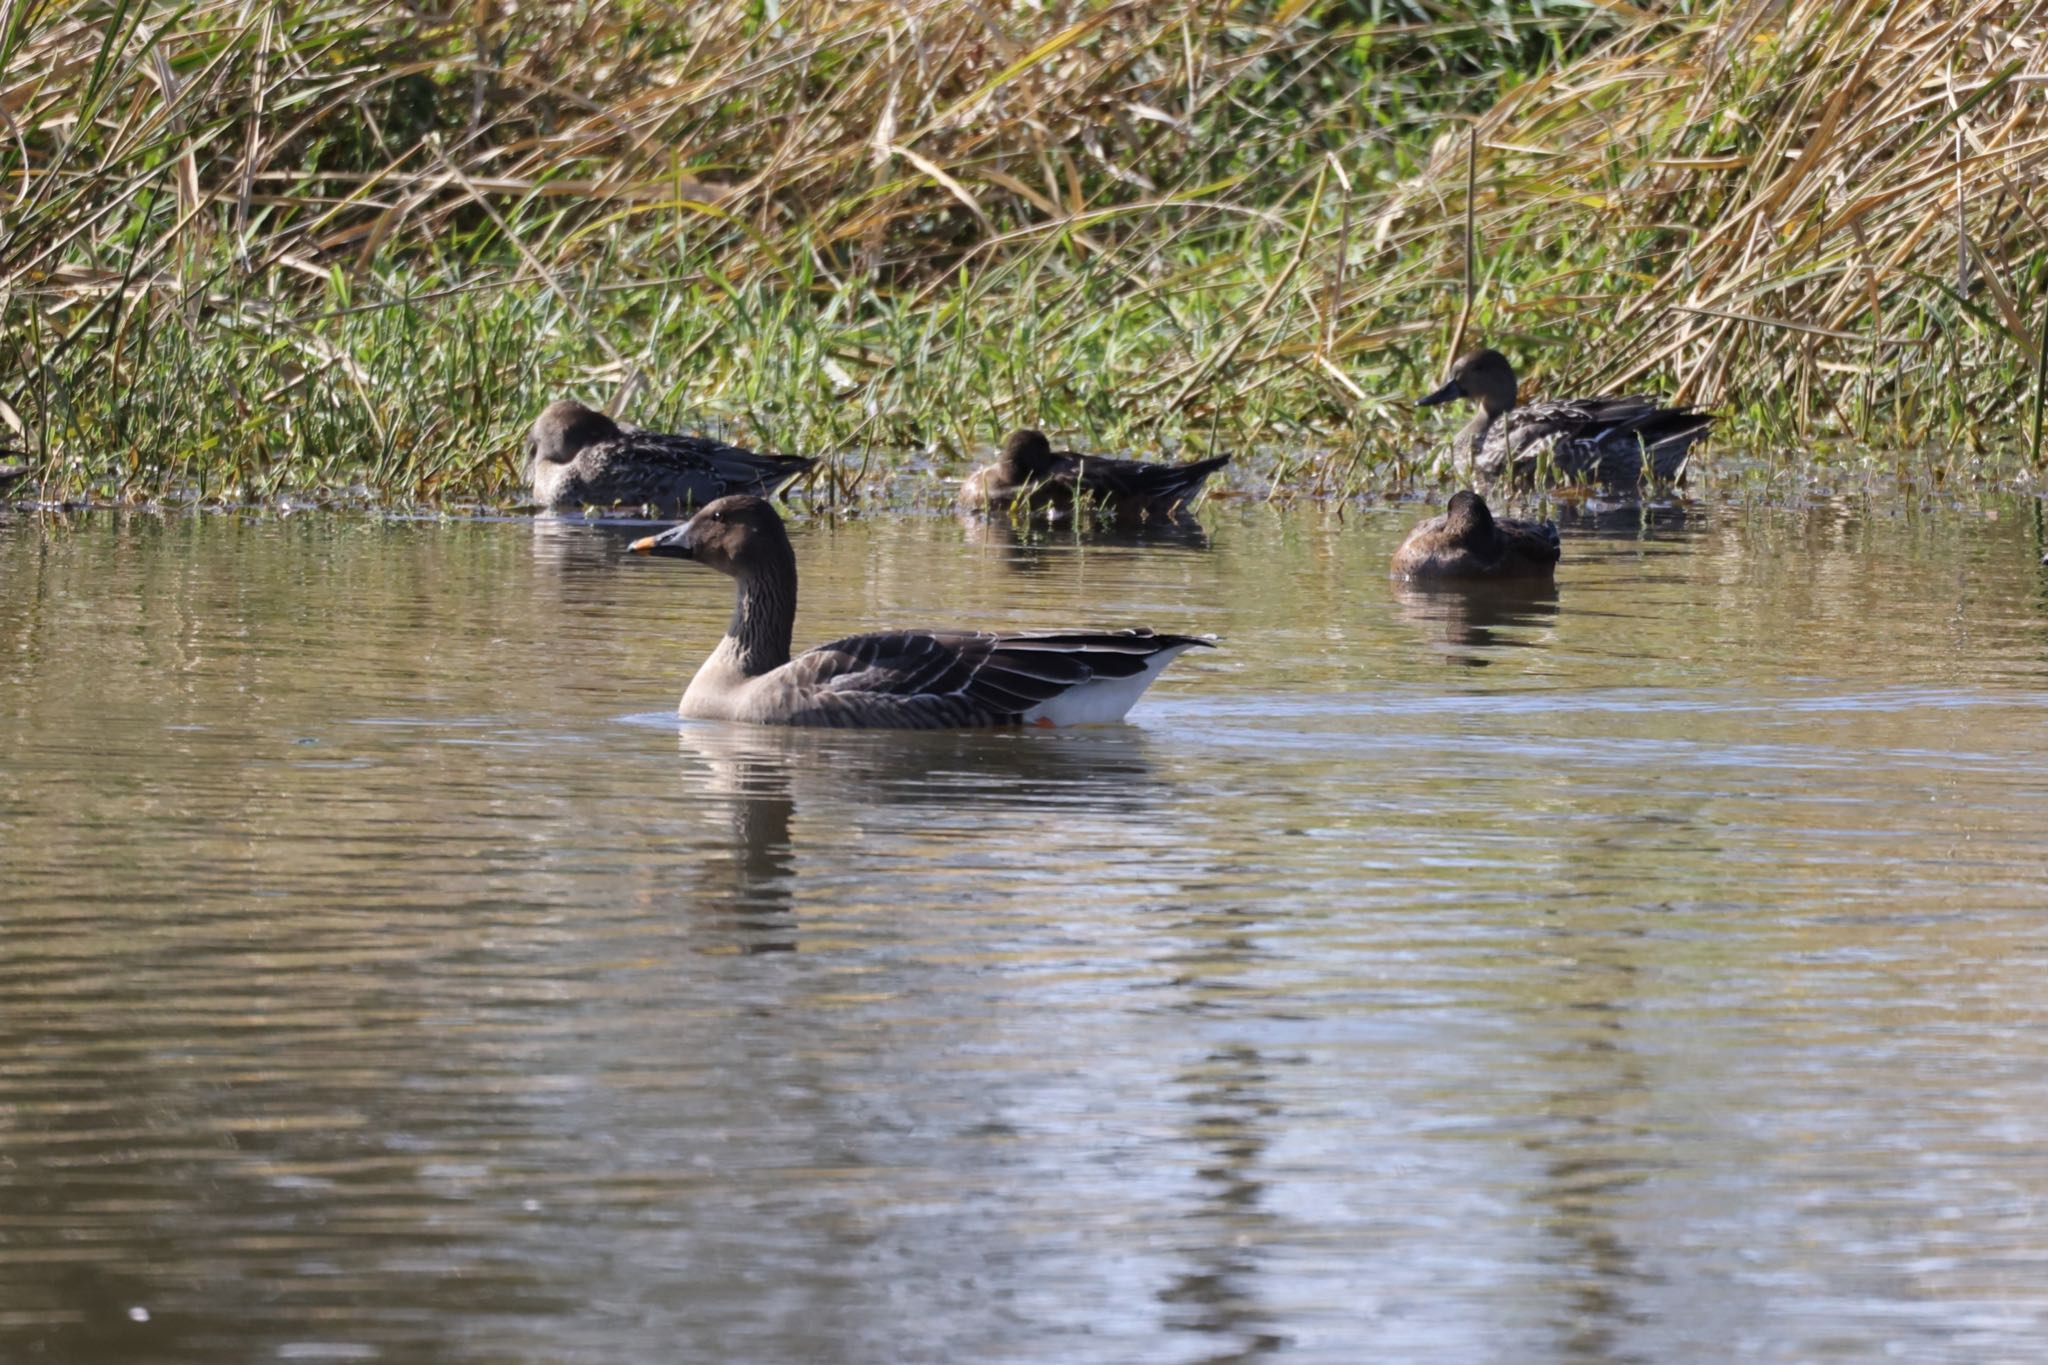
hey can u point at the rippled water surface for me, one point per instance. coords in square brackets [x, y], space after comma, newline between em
[1652, 970]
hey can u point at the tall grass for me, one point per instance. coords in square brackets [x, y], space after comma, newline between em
[255, 248]
[1828, 216]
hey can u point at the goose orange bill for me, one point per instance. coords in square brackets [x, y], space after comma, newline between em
[674, 543]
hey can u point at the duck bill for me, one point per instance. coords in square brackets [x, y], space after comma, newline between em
[1451, 390]
[674, 543]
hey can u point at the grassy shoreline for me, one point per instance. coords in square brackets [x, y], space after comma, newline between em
[254, 254]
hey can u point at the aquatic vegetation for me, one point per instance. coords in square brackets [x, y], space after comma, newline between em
[262, 249]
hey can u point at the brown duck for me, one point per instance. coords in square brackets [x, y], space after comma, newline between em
[577, 457]
[1617, 442]
[1469, 542]
[1032, 475]
[894, 680]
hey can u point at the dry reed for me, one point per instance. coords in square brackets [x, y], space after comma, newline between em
[252, 248]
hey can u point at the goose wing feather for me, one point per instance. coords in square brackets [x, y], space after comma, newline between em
[944, 679]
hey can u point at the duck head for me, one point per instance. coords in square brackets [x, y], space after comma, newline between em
[739, 536]
[1467, 514]
[1483, 376]
[1027, 455]
[562, 431]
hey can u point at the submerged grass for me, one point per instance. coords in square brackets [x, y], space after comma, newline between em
[257, 249]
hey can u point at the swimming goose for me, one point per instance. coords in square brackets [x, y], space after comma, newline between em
[896, 680]
[1580, 440]
[1468, 541]
[1032, 474]
[577, 457]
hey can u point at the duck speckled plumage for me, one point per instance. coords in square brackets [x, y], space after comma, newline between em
[894, 680]
[1615, 442]
[1031, 473]
[1468, 541]
[577, 457]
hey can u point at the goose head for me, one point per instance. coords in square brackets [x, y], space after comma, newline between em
[739, 536]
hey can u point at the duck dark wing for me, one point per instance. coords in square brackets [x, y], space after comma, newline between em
[946, 680]
[1639, 416]
[1139, 479]
[1665, 435]
[1597, 432]
[1535, 541]
[740, 470]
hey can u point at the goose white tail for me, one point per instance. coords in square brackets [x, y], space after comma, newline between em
[1103, 701]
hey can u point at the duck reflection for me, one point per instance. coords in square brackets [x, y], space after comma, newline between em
[763, 780]
[1593, 1146]
[581, 545]
[1462, 616]
[1031, 547]
[1626, 519]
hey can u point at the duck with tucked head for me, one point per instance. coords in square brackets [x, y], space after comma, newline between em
[1468, 542]
[1031, 475]
[893, 680]
[1612, 441]
[577, 457]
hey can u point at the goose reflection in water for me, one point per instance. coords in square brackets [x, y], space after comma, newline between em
[778, 790]
[750, 786]
[1230, 1115]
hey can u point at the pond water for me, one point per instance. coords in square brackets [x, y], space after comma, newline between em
[1646, 971]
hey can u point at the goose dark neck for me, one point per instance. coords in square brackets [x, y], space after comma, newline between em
[764, 614]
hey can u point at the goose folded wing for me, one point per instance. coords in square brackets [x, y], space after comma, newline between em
[948, 671]
[1101, 653]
